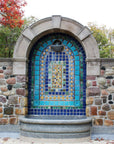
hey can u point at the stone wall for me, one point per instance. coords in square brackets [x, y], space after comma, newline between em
[13, 100]
[100, 95]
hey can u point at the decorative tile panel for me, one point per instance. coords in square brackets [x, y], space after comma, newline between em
[57, 80]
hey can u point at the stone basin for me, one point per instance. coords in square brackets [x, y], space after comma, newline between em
[57, 127]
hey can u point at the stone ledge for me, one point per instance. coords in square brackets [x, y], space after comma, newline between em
[100, 60]
[6, 59]
[45, 121]
[104, 132]
[87, 60]
[13, 59]
[9, 128]
[13, 135]
[103, 136]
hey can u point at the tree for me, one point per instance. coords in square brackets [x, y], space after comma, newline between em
[111, 40]
[8, 39]
[104, 38]
[9, 36]
[11, 12]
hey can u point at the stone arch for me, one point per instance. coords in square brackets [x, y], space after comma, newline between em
[55, 24]
[26, 43]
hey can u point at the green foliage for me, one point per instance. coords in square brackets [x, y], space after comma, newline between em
[8, 39]
[29, 21]
[9, 36]
[104, 38]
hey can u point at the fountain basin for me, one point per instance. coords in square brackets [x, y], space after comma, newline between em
[55, 128]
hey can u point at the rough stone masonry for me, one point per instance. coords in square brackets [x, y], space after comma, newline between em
[100, 96]
[13, 94]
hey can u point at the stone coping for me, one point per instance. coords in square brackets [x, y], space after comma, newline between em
[100, 60]
[6, 59]
[13, 59]
[87, 60]
[56, 117]
[51, 121]
[102, 130]
[9, 128]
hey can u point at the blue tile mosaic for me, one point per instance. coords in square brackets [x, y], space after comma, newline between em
[57, 80]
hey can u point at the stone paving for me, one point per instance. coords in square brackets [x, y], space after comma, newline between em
[8, 140]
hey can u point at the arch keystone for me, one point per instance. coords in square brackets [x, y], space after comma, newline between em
[56, 21]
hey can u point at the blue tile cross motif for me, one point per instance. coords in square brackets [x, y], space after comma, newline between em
[57, 80]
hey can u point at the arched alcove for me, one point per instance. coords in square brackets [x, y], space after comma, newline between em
[55, 53]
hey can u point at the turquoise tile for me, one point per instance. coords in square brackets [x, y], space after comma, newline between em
[41, 49]
[37, 63]
[36, 72]
[36, 103]
[65, 42]
[49, 42]
[36, 87]
[77, 88]
[77, 92]
[69, 45]
[77, 68]
[77, 63]
[76, 58]
[56, 103]
[77, 103]
[77, 97]
[38, 53]
[66, 103]
[73, 48]
[36, 82]
[37, 68]
[46, 103]
[77, 72]
[75, 53]
[51, 102]
[77, 77]
[77, 82]
[36, 92]
[45, 45]
[37, 78]
[37, 58]
[36, 97]
[42, 102]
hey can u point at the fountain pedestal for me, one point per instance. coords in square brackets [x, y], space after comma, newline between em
[55, 128]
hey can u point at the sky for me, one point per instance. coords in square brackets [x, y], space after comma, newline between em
[100, 12]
